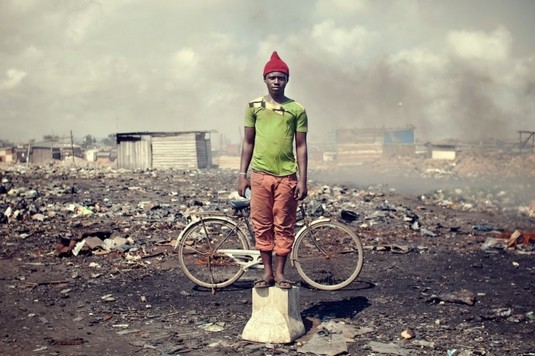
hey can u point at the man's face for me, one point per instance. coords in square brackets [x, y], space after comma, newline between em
[276, 82]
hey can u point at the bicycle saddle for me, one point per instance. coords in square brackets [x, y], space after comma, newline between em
[239, 204]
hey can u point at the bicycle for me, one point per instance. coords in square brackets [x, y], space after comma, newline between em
[215, 250]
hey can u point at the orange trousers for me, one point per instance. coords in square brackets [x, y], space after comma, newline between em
[273, 212]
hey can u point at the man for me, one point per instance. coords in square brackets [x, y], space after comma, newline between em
[272, 124]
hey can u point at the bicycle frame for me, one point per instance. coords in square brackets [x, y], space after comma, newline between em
[303, 230]
[207, 214]
[250, 258]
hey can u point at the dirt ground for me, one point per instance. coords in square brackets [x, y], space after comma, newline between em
[440, 263]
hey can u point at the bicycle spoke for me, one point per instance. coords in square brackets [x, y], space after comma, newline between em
[200, 253]
[328, 256]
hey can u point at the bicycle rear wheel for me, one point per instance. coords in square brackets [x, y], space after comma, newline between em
[205, 255]
[328, 255]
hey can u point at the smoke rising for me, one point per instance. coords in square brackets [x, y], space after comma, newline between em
[135, 65]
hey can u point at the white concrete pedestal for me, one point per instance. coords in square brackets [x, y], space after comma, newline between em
[275, 317]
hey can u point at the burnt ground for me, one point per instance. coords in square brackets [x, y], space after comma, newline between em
[436, 262]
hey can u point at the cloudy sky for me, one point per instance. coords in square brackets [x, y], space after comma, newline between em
[452, 68]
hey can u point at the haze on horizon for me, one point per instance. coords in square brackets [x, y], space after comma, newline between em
[452, 68]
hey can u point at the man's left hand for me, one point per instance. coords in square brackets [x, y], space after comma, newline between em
[301, 191]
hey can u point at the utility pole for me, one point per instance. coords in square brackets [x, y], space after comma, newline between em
[72, 151]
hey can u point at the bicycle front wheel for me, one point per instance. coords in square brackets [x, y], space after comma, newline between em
[205, 252]
[328, 255]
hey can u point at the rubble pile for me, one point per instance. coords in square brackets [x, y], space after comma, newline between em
[117, 209]
[493, 199]
[497, 165]
[76, 203]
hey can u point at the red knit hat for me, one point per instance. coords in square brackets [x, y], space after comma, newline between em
[276, 64]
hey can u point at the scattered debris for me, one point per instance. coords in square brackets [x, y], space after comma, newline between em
[67, 342]
[462, 296]
[388, 348]
[324, 343]
[408, 334]
[94, 249]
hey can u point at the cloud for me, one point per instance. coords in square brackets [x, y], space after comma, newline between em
[481, 46]
[336, 7]
[80, 23]
[13, 77]
[126, 65]
[342, 42]
[471, 91]
[32, 52]
[21, 6]
[183, 65]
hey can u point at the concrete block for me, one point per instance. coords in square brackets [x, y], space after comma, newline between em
[275, 316]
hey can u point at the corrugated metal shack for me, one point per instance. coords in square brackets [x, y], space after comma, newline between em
[163, 150]
[44, 152]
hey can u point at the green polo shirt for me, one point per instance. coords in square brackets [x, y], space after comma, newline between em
[275, 127]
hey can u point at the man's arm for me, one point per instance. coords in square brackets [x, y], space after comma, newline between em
[301, 149]
[245, 159]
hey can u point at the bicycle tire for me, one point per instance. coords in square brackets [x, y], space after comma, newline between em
[328, 255]
[200, 253]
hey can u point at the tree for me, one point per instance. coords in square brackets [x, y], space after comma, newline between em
[5, 143]
[109, 141]
[88, 141]
[51, 138]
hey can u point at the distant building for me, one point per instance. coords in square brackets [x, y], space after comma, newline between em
[99, 157]
[443, 151]
[526, 141]
[7, 154]
[103, 158]
[399, 142]
[355, 146]
[45, 152]
[182, 150]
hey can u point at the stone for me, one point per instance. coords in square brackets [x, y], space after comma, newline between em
[329, 345]
[336, 327]
[408, 334]
[94, 242]
[275, 316]
[462, 296]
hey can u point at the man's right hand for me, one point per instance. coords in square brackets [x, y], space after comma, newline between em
[243, 184]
